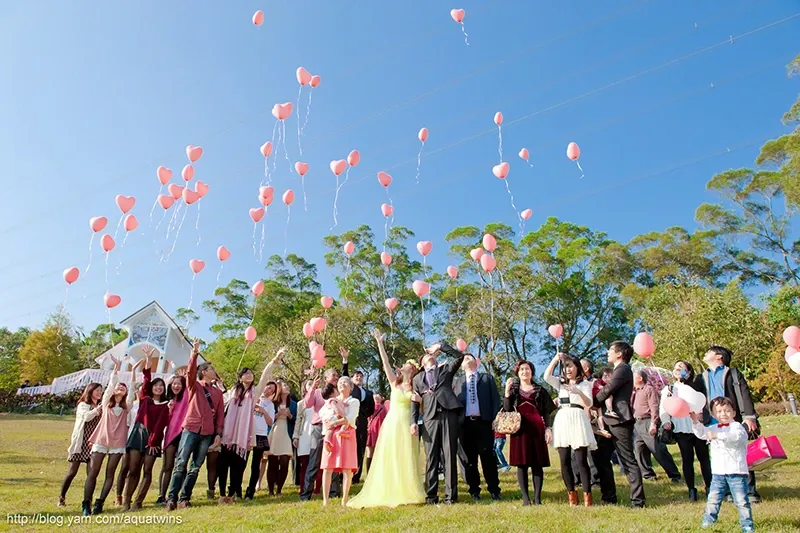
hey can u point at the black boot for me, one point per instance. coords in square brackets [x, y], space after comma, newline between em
[98, 507]
[692, 495]
[249, 493]
[86, 507]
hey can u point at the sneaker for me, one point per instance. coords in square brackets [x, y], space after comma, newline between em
[754, 498]
[505, 469]
[748, 529]
[441, 477]
[706, 524]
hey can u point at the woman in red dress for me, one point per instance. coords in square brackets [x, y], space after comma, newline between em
[529, 445]
[374, 426]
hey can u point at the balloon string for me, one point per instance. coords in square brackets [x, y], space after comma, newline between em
[106, 271]
[119, 253]
[385, 233]
[254, 238]
[119, 223]
[466, 37]
[491, 312]
[177, 233]
[335, 200]
[197, 225]
[391, 330]
[419, 162]
[303, 185]
[62, 312]
[286, 230]
[111, 328]
[160, 191]
[458, 303]
[297, 106]
[500, 141]
[191, 293]
[308, 111]
[285, 149]
[242, 357]
[514, 207]
[273, 142]
[91, 240]
[261, 246]
[172, 219]
[218, 274]
[579, 168]
[422, 303]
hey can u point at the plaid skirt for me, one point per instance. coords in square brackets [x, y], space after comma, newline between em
[86, 447]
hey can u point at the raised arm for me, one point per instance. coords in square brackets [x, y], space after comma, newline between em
[387, 365]
[112, 382]
[457, 355]
[267, 373]
[345, 355]
[548, 373]
[311, 395]
[191, 371]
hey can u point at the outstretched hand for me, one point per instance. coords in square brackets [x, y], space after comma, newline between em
[433, 349]
[344, 353]
[196, 347]
[378, 335]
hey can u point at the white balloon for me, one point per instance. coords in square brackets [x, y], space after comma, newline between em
[696, 400]
[794, 362]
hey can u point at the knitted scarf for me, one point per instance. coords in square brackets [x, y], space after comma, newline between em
[239, 425]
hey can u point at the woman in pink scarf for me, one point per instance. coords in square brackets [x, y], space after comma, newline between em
[239, 433]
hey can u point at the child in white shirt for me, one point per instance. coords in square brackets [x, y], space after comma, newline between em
[728, 442]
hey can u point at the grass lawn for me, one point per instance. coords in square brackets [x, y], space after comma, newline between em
[33, 462]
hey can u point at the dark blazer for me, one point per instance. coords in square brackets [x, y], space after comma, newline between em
[620, 386]
[486, 389]
[441, 395]
[366, 407]
[736, 390]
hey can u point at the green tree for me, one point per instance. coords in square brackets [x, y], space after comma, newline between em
[10, 344]
[50, 352]
[186, 318]
[96, 342]
[774, 378]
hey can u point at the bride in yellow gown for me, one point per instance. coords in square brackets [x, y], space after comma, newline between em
[395, 475]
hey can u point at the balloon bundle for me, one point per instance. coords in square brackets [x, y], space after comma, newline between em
[304, 78]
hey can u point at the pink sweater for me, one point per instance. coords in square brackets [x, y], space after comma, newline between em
[176, 419]
[112, 431]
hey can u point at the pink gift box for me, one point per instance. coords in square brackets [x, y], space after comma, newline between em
[764, 452]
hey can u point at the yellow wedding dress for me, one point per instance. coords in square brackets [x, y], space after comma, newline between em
[395, 475]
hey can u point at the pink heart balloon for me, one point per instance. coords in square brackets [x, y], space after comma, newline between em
[326, 302]
[488, 262]
[501, 171]
[111, 300]
[130, 223]
[791, 336]
[196, 265]
[301, 168]
[266, 190]
[187, 173]
[308, 331]
[489, 242]
[193, 152]
[556, 330]
[461, 344]
[318, 324]
[424, 247]
[315, 79]
[303, 76]
[498, 118]
[266, 200]
[258, 18]
[98, 223]
[526, 214]
[107, 242]
[421, 288]
[175, 190]
[282, 111]
[257, 288]
[266, 149]
[524, 154]
[423, 135]
[250, 334]
[337, 167]
[71, 275]
[387, 210]
[676, 407]
[643, 345]
[787, 354]
[165, 200]
[384, 178]
[386, 259]
[349, 247]
[223, 254]
[476, 254]
[391, 303]
[353, 158]
[189, 196]
[573, 151]
[164, 175]
[452, 272]
[457, 15]
[257, 213]
[200, 188]
[288, 197]
[125, 203]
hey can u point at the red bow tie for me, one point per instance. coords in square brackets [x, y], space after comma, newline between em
[722, 425]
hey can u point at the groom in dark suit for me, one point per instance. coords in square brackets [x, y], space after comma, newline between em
[478, 393]
[440, 418]
[620, 424]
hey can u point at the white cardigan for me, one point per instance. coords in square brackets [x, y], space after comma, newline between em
[83, 414]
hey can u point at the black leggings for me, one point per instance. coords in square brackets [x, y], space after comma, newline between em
[255, 469]
[230, 461]
[689, 446]
[538, 478]
[95, 465]
[166, 470]
[277, 470]
[72, 471]
[581, 454]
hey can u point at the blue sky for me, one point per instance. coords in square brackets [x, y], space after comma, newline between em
[95, 99]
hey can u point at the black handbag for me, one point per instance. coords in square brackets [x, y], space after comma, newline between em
[665, 436]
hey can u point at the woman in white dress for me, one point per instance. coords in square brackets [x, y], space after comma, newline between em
[301, 439]
[572, 430]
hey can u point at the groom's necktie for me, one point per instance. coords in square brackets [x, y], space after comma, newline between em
[429, 378]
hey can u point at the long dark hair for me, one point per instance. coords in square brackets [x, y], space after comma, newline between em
[689, 368]
[239, 391]
[277, 398]
[171, 395]
[568, 358]
[124, 401]
[149, 390]
[88, 393]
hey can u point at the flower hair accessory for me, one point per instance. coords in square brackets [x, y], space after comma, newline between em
[413, 363]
